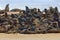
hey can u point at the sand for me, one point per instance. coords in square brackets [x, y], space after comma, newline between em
[30, 36]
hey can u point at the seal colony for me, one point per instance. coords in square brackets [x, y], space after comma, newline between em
[29, 21]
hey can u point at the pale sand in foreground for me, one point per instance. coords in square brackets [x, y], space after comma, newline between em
[29, 36]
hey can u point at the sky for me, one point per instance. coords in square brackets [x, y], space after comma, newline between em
[30, 3]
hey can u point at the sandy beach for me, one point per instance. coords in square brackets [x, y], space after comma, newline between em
[29, 36]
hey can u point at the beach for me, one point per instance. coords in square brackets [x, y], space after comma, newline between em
[17, 36]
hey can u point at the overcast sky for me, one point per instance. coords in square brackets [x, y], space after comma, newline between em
[30, 3]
